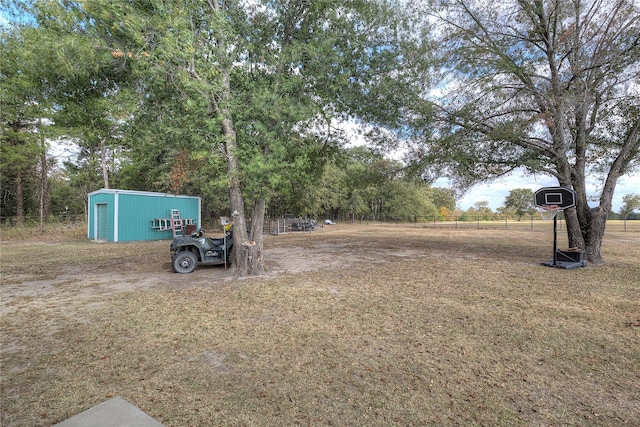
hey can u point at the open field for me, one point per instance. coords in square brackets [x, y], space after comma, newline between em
[352, 325]
[526, 224]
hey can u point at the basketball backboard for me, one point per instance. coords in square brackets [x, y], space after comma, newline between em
[562, 197]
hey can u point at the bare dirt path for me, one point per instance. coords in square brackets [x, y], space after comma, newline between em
[93, 272]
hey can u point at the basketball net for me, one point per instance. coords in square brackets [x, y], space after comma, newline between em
[548, 212]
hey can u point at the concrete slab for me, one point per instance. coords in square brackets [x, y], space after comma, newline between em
[116, 412]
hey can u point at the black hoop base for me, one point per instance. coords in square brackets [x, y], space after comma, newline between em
[567, 260]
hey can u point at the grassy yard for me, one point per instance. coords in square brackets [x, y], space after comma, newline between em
[352, 325]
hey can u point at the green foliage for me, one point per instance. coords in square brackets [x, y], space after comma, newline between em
[482, 211]
[67, 201]
[444, 197]
[630, 202]
[140, 87]
[27, 81]
[282, 57]
[503, 109]
[521, 201]
[363, 184]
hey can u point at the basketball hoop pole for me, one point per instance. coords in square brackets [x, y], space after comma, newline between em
[555, 240]
[547, 211]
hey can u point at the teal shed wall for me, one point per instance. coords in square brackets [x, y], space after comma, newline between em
[130, 214]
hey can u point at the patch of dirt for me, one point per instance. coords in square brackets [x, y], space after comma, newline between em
[66, 284]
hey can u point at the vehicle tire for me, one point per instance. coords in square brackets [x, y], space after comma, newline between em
[185, 262]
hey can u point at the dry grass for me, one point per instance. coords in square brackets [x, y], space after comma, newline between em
[53, 232]
[353, 326]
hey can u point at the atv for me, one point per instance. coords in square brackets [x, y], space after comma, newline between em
[187, 251]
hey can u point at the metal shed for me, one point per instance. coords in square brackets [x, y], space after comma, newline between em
[125, 216]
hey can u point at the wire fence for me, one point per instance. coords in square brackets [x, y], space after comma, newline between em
[28, 220]
[276, 226]
[528, 222]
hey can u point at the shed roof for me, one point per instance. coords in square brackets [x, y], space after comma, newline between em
[138, 193]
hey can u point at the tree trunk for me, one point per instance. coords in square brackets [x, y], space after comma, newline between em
[19, 199]
[594, 235]
[593, 231]
[585, 225]
[239, 257]
[104, 164]
[247, 257]
[44, 188]
[574, 232]
[256, 254]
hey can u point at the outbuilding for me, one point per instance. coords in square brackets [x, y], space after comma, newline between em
[125, 216]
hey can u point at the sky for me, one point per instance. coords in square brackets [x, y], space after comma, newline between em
[495, 192]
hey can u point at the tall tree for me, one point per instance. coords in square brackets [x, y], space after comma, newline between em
[28, 81]
[444, 198]
[548, 85]
[521, 201]
[630, 202]
[65, 89]
[267, 78]
[362, 183]
[482, 210]
[94, 112]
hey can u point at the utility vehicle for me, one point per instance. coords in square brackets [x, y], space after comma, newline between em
[188, 251]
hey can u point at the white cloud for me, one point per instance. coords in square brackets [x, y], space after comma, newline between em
[4, 22]
[496, 192]
[354, 131]
[63, 150]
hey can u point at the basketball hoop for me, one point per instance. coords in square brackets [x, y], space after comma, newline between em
[548, 212]
[548, 201]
